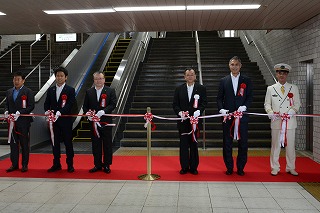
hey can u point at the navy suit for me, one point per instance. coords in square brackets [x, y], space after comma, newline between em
[20, 133]
[62, 128]
[226, 99]
[105, 141]
[181, 103]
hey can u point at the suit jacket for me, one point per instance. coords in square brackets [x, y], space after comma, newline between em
[181, 103]
[13, 106]
[51, 102]
[275, 101]
[91, 102]
[226, 99]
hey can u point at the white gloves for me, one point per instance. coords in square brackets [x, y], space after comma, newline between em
[224, 111]
[16, 116]
[6, 114]
[272, 116]
[46, 113]
[58, 113]
[242, 108]
[100, 113]
[291, 112]
[182, 114]
[196, 113]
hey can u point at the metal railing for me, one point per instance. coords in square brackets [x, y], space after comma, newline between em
[37, 66]
[263, 59]
[10, 51]
[201, 82]
[31, 45]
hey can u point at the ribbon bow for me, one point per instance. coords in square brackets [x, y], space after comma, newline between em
[51, 119]
[194, 124]
[236, 124]
[283, 133]
[11, 123]
[95, 122]
[148, 117]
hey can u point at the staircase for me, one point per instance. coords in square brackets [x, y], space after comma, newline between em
[83, 132]
[163, 71]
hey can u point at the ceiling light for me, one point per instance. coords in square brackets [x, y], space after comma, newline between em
[106, 10]
[224, 7]
[158, 8]
[2, 14]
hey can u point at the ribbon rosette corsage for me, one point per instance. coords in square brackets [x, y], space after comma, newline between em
[103, 100]
[24, 101]
[242, 88]
[64, 98]
[290, 96]
[196, 100]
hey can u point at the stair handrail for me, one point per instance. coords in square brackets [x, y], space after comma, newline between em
[31, 45]
[263, 59]
[10, 51]
[126, 72]
[38, 65]
[201, 82]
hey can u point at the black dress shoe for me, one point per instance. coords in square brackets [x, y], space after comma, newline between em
[70, 169]
[54, 168]
[240, 172]
[229, 172]
[24, 169]
[95, 169]
[194, 172]
[107, 169]
[12, 168]
[183, 171]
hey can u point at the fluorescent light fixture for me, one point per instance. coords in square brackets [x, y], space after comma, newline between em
[157, 8]
[224, 7]
[103, 10]
[2, 14]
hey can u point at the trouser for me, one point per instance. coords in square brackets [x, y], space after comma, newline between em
[102, 147]
[62, 133]
[20, 137]
[276, 148]
[242, 146]
[189, 156]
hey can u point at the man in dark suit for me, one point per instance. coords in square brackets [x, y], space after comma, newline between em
[189, 98]
[102, 100]
[19, 100]
[60, 99]
[235, 94]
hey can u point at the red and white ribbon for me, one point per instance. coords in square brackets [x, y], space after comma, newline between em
[103, 100]
[24, 101]
[236, 125]
[64, 98]
[195, 130]
[196, 100]
[95, 122]
[51, 119]
[284, 127]
[148, 118]
[10, 121]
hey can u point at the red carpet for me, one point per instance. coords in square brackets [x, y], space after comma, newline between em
[130, 167]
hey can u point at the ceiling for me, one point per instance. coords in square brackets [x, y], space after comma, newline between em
[27, 17]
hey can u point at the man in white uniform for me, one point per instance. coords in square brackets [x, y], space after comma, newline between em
[282, 98]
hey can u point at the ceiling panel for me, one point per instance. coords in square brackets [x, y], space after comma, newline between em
[26, 16]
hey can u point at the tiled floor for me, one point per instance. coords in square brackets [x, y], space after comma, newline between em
[60, 195]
